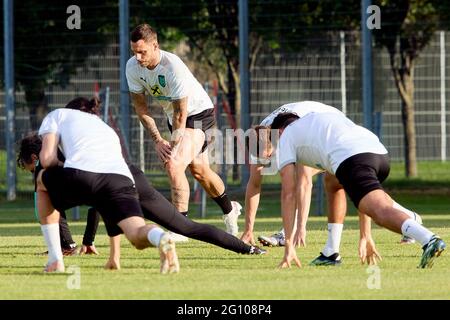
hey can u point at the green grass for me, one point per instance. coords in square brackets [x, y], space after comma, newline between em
[209, 272]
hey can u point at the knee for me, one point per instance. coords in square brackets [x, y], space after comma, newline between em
[198, 175]
[332, 183]
[133, 237]
[139, 245]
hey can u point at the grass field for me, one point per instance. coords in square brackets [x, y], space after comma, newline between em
[209, 272]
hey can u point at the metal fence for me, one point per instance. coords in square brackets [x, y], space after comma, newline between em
[329, 72]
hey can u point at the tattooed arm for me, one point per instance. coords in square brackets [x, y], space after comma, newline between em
[140, 106]
[178, 120]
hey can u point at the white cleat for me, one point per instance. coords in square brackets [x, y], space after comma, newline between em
[407, 240]
[176, 237]
[275, 240]
[168, 255]
[231, 219]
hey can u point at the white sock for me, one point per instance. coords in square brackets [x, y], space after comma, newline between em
[334, 239]
[154, 236]
[416, 231]
[51, 236]
[410, 213]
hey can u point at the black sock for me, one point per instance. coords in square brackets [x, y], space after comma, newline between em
[93, 218]
[224, 203]
[64, 233]
[184, 213]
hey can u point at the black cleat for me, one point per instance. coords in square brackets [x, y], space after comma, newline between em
[333, 260]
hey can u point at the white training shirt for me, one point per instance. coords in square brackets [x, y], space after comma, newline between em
[324, 141]
[299, 108]
[86, 141]
[170, 80]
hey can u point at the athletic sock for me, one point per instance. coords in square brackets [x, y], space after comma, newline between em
[184, 213]
[334, 239]
[51, 236]
[413, 229]
[154, 236]
[64, 233]
[410, 213]
[224, 203]
[90, 231]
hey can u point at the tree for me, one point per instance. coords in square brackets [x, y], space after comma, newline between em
[47, 52]
[407, 27]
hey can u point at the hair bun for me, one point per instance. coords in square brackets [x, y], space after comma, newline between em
[94, 103]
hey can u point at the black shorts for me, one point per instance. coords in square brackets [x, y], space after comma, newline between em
[363, 173]
[207, 119]
[113, 195]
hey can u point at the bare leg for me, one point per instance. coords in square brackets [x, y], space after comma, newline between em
[203, 173]
[182, 155]
[142, 236]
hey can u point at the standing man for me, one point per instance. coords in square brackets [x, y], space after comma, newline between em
[358, 160]
[190, 112]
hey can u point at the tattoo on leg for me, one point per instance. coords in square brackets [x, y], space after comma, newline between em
[180, 198]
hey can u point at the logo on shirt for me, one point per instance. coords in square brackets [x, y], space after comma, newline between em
[162, 80]
[318, 165]
[155, 91]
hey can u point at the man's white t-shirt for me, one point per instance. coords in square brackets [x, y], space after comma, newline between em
[324, 141]
[86, 141]
[299, 108]
[170, 80]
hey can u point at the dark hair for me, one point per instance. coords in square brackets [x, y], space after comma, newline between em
[30, 144]
[144, 32]
[85, 105]
[282, 120]
[261, 136]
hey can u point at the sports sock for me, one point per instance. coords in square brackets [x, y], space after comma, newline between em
[224, 203]
[93, 219]
[51, 236]
[410, 213]
[184, 213]
[413, 229]
[334, 239]
[154, 236]
[64, 233]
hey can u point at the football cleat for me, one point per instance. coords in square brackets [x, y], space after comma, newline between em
[275, 240]
[407, 240]
[168, 255]
[255, 250]
[321, 260]
[431, 250]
